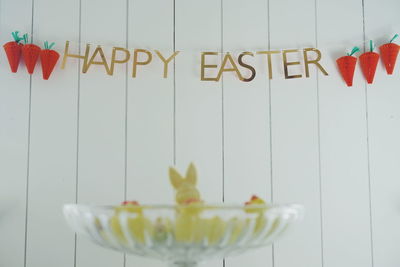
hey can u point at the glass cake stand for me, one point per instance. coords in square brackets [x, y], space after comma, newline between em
[182, 235]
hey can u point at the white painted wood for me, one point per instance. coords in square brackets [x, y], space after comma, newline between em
[344, 161]
[151, 105]
[198, 104]
[101, 157]
[247, 167]
[14, 129]
[53, 138]
[150, 147]
[381, 19]
[295, 157]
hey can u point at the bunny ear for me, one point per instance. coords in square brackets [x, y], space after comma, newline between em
[191, 174]
[175, 178]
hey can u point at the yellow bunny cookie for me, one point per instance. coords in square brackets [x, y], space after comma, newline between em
[188, 225]
[186, 191]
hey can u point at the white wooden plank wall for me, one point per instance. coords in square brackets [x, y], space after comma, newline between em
[102, 124]
[198, 105]
[15, 97]
[344, 149]
[53, 137]
[383, 113]
[94, 138]
[247, 164]
[294, 120]
[151, 96]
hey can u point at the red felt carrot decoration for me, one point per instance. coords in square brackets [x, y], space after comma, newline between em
[347, 65]
[389, 52]
[369, 61]
[30, 53]
[49, 58]
[13, 50]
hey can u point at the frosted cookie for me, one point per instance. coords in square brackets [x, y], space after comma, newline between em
[137, 224]
[185, 187]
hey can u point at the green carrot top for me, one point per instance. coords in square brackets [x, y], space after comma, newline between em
[394, 37]
[18, 39]
[48, 46]
[353, 51]
[371, 46]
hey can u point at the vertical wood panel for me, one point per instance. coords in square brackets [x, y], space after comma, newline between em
[53, 140]
[101, 165]
[150, 109]
[381, 18]
[14, 120]
[295, 135]
[199, 103]
[150, 104]
[344, 161]
[246, 115]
